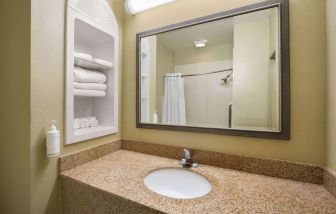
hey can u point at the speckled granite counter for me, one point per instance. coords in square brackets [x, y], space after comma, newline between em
[114, 184]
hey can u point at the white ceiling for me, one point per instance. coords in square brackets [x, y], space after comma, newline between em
[217, 33]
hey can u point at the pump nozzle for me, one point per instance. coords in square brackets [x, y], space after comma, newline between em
[53, 125]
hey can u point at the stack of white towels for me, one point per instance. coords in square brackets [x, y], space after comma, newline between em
[89, 83]
[85, 122]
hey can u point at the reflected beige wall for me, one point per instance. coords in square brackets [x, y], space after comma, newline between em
[152, 76]
[274, 67]
[251, 90]
[307, 33]
[47, 98]
[207, 54]
[165, 63]
[331, 77]
[15, 106]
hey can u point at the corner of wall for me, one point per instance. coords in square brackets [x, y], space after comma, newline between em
[15, 106]
[331, 87]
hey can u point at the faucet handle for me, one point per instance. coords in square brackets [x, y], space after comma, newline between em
[187, 153]
[195, 164]
[186, 161]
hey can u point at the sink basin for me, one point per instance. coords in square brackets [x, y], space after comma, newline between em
[177, 183]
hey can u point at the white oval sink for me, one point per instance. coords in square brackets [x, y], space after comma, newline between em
[177, 183]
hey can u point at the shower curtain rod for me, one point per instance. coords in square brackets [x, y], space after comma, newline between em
[213, 72]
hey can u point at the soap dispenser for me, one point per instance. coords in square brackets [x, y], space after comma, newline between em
[155, 117]
[53, 140]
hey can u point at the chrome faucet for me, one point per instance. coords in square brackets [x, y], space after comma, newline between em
[186, 161]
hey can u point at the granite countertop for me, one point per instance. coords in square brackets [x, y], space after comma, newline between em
[121, 173]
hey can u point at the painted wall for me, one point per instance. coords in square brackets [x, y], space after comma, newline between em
[15, 106]
[331, 86]
[47, 98]
[45, 76]
[307, 33]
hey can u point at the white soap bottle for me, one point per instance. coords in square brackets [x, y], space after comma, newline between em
[155, 117]
[53, 140]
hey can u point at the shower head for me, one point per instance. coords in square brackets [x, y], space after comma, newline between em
[227, 77]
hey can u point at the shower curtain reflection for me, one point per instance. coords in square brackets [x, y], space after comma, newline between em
[173, 108]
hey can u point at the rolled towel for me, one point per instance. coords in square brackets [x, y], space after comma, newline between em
[103, 62]
[77, 123]
[95, 123]
[89, 93]
[84, 123]
[92, 121]
[88, 76]
[83, 55]
[90, 86]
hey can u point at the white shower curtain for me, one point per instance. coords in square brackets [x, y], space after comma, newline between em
[173, 108]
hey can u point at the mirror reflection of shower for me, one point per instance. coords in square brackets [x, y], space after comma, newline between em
[209, 87]
[222, 74]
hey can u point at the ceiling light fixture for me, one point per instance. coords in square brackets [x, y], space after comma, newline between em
[137, 6]
[201, 43]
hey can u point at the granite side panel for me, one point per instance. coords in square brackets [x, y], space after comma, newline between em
[275, 168]
[329, 181]
[79, 198]
[73, 160]
[153, 149]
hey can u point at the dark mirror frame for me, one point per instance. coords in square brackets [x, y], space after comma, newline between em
[284, 61]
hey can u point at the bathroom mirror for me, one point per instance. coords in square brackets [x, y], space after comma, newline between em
[227, 73]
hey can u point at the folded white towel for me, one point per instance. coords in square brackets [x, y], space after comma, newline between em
[90, 86]
[84, 123]
[93, 122]
[103, 62]
[89, 93]
[77, 123]
[83, 55]
[85, 75]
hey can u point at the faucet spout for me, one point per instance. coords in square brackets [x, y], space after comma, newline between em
[186, 161]
[187, 153]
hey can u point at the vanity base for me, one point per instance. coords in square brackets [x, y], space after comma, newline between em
[80, 198]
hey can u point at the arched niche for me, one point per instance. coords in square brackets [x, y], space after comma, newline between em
[91, 28]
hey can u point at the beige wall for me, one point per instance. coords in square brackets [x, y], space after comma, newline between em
[15, 106]
[47, 94]
[307, 27]
[331, 90]
[47, 98]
